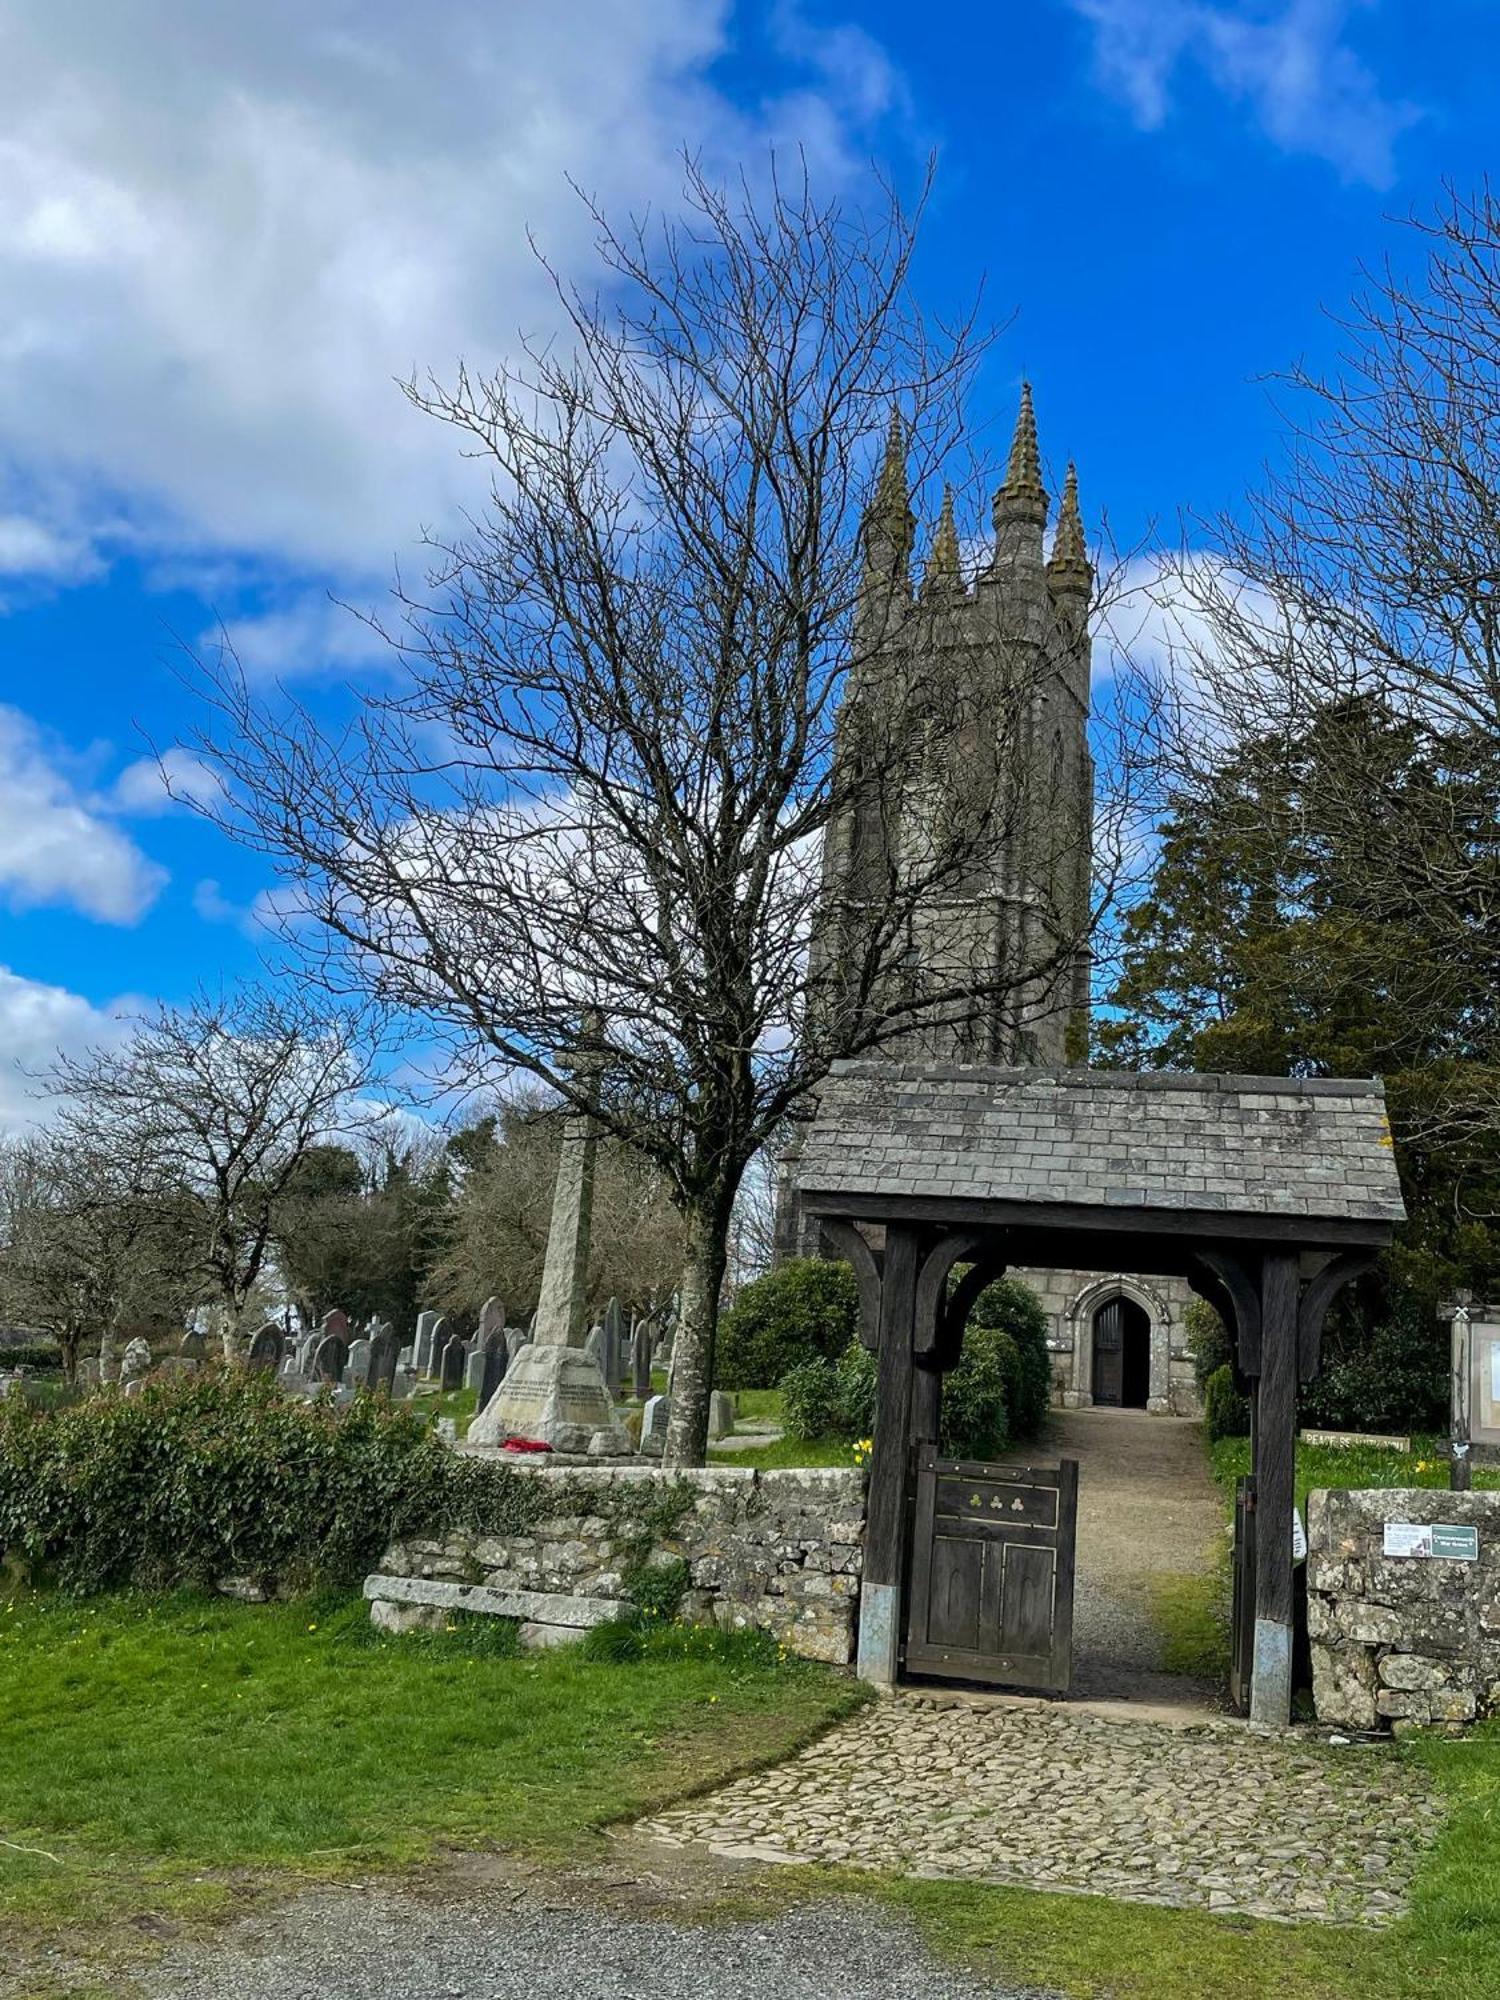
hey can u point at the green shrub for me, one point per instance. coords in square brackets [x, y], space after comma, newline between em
[1226, 1413]
[806, 1309]
[1397, 1382]
[976, 1416]
[1207, 1341]
[855, 1388]
[42, 1355]
[656, 1588]
[810, 1401]
[1014, 1309]
[218, 1474]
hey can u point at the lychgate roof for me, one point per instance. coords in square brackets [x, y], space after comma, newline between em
[1104, 1138]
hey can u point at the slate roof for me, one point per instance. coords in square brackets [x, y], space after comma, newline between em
[1104, 1138]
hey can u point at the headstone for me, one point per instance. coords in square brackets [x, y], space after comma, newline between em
[593, 1346]
[383, 1358]
[193, 1347]
[614, 1346]
[336, 1322]
[640, 1360]
[329, 1359]
[135, 1362]
[266, 1347]
[422, 1345]
[654, 1420]
[491, 1320]
[451, 1364]
[307, 1347]
[516, 1337]
[720, 1414]
[437, 1341]
[492, 1374]
[358, 1367]
[474, 1370]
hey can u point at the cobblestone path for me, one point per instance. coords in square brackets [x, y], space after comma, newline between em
[1209, 1816]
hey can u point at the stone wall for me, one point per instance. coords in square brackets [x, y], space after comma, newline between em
[1401, 1642]
[778, 1551]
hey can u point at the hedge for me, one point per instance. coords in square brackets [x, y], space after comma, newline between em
[805, 1310]
[219, 1474]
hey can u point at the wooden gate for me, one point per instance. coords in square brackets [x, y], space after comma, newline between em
[992, 1572]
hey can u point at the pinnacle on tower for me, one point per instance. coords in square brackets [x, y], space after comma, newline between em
[889, 524]
[943, 557]
[1069, 569]
[1022, 497]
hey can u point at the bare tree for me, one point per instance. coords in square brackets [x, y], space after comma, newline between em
[213, 1105]
[605, 778]
[82, 1254]
[1358, 601]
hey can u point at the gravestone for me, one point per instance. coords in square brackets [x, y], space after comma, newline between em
[383, 1357]
[358, 1369]
[516, 1337]
[437, 1341]
[451, 1364]
[266, 1347]
[654, 1420]
[491, 1320]
[422, 1345]
[495, 1358]
[614, 1346]
[593, 1346]
[640, 1360]
[193, 1346]
[135, 1362]
[720, 1414]
[336, 1322]
[307, 1347]
[329, 1358]
[474, 1369]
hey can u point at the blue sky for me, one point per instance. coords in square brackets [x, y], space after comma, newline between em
[223, 231]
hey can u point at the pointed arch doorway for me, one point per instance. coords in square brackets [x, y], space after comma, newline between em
[1122, 1354]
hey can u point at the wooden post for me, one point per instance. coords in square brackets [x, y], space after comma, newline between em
[926, 1406]
[1274, 1464]
[885, 1513]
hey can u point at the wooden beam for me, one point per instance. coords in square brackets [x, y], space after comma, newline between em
[956, 1248]
[856, 1249]
[983, 1272]
[1274, 1466]
[1231, 1281]
[885, 1511]
[1317, 1296]
[959, 1212]
[926, 1404]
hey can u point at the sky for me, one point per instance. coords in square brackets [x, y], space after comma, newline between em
[227, 232]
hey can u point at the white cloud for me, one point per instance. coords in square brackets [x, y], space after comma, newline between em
[151, 785]
[225, 229]
[28, 548]
[311, 635]
[57, 849]
[36, 1021]
[1309, 92]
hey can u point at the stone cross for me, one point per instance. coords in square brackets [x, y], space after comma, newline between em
[561, 1312]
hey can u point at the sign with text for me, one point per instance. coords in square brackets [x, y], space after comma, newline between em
[1432, 1539]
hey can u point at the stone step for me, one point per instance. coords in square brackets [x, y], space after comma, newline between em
[532, 1607]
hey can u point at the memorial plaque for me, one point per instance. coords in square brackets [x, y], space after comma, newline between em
[1427, 1540]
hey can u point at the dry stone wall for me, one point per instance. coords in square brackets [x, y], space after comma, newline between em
[776, 1551]
[1402, 1642]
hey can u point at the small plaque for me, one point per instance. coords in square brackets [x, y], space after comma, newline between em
[1439, 1539]
[1299, 1537]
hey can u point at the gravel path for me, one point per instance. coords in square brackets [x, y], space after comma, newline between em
[377, 1945]
[1146, 1506]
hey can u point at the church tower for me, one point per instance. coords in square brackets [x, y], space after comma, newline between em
[963, 766]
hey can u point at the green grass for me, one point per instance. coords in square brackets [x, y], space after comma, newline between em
[155, 1750]
[760, 1406]
[455, 1403]
[1318, 1466]
[788, 1452]
[1191, 1611]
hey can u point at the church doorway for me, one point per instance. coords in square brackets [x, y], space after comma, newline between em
[1122, 1355]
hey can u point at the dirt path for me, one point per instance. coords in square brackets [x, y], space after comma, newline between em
[1147, 1511]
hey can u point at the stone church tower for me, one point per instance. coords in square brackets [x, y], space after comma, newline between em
[989, 680]
[989, 677]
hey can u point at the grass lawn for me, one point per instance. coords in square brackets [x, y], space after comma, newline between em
[1324, 1465]
[161, 1753]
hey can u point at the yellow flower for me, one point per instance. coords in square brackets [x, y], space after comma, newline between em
[312, 1628]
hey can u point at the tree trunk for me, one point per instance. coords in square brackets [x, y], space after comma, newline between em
[693, 1343]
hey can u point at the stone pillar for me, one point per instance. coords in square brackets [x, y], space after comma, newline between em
[554, 1393]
